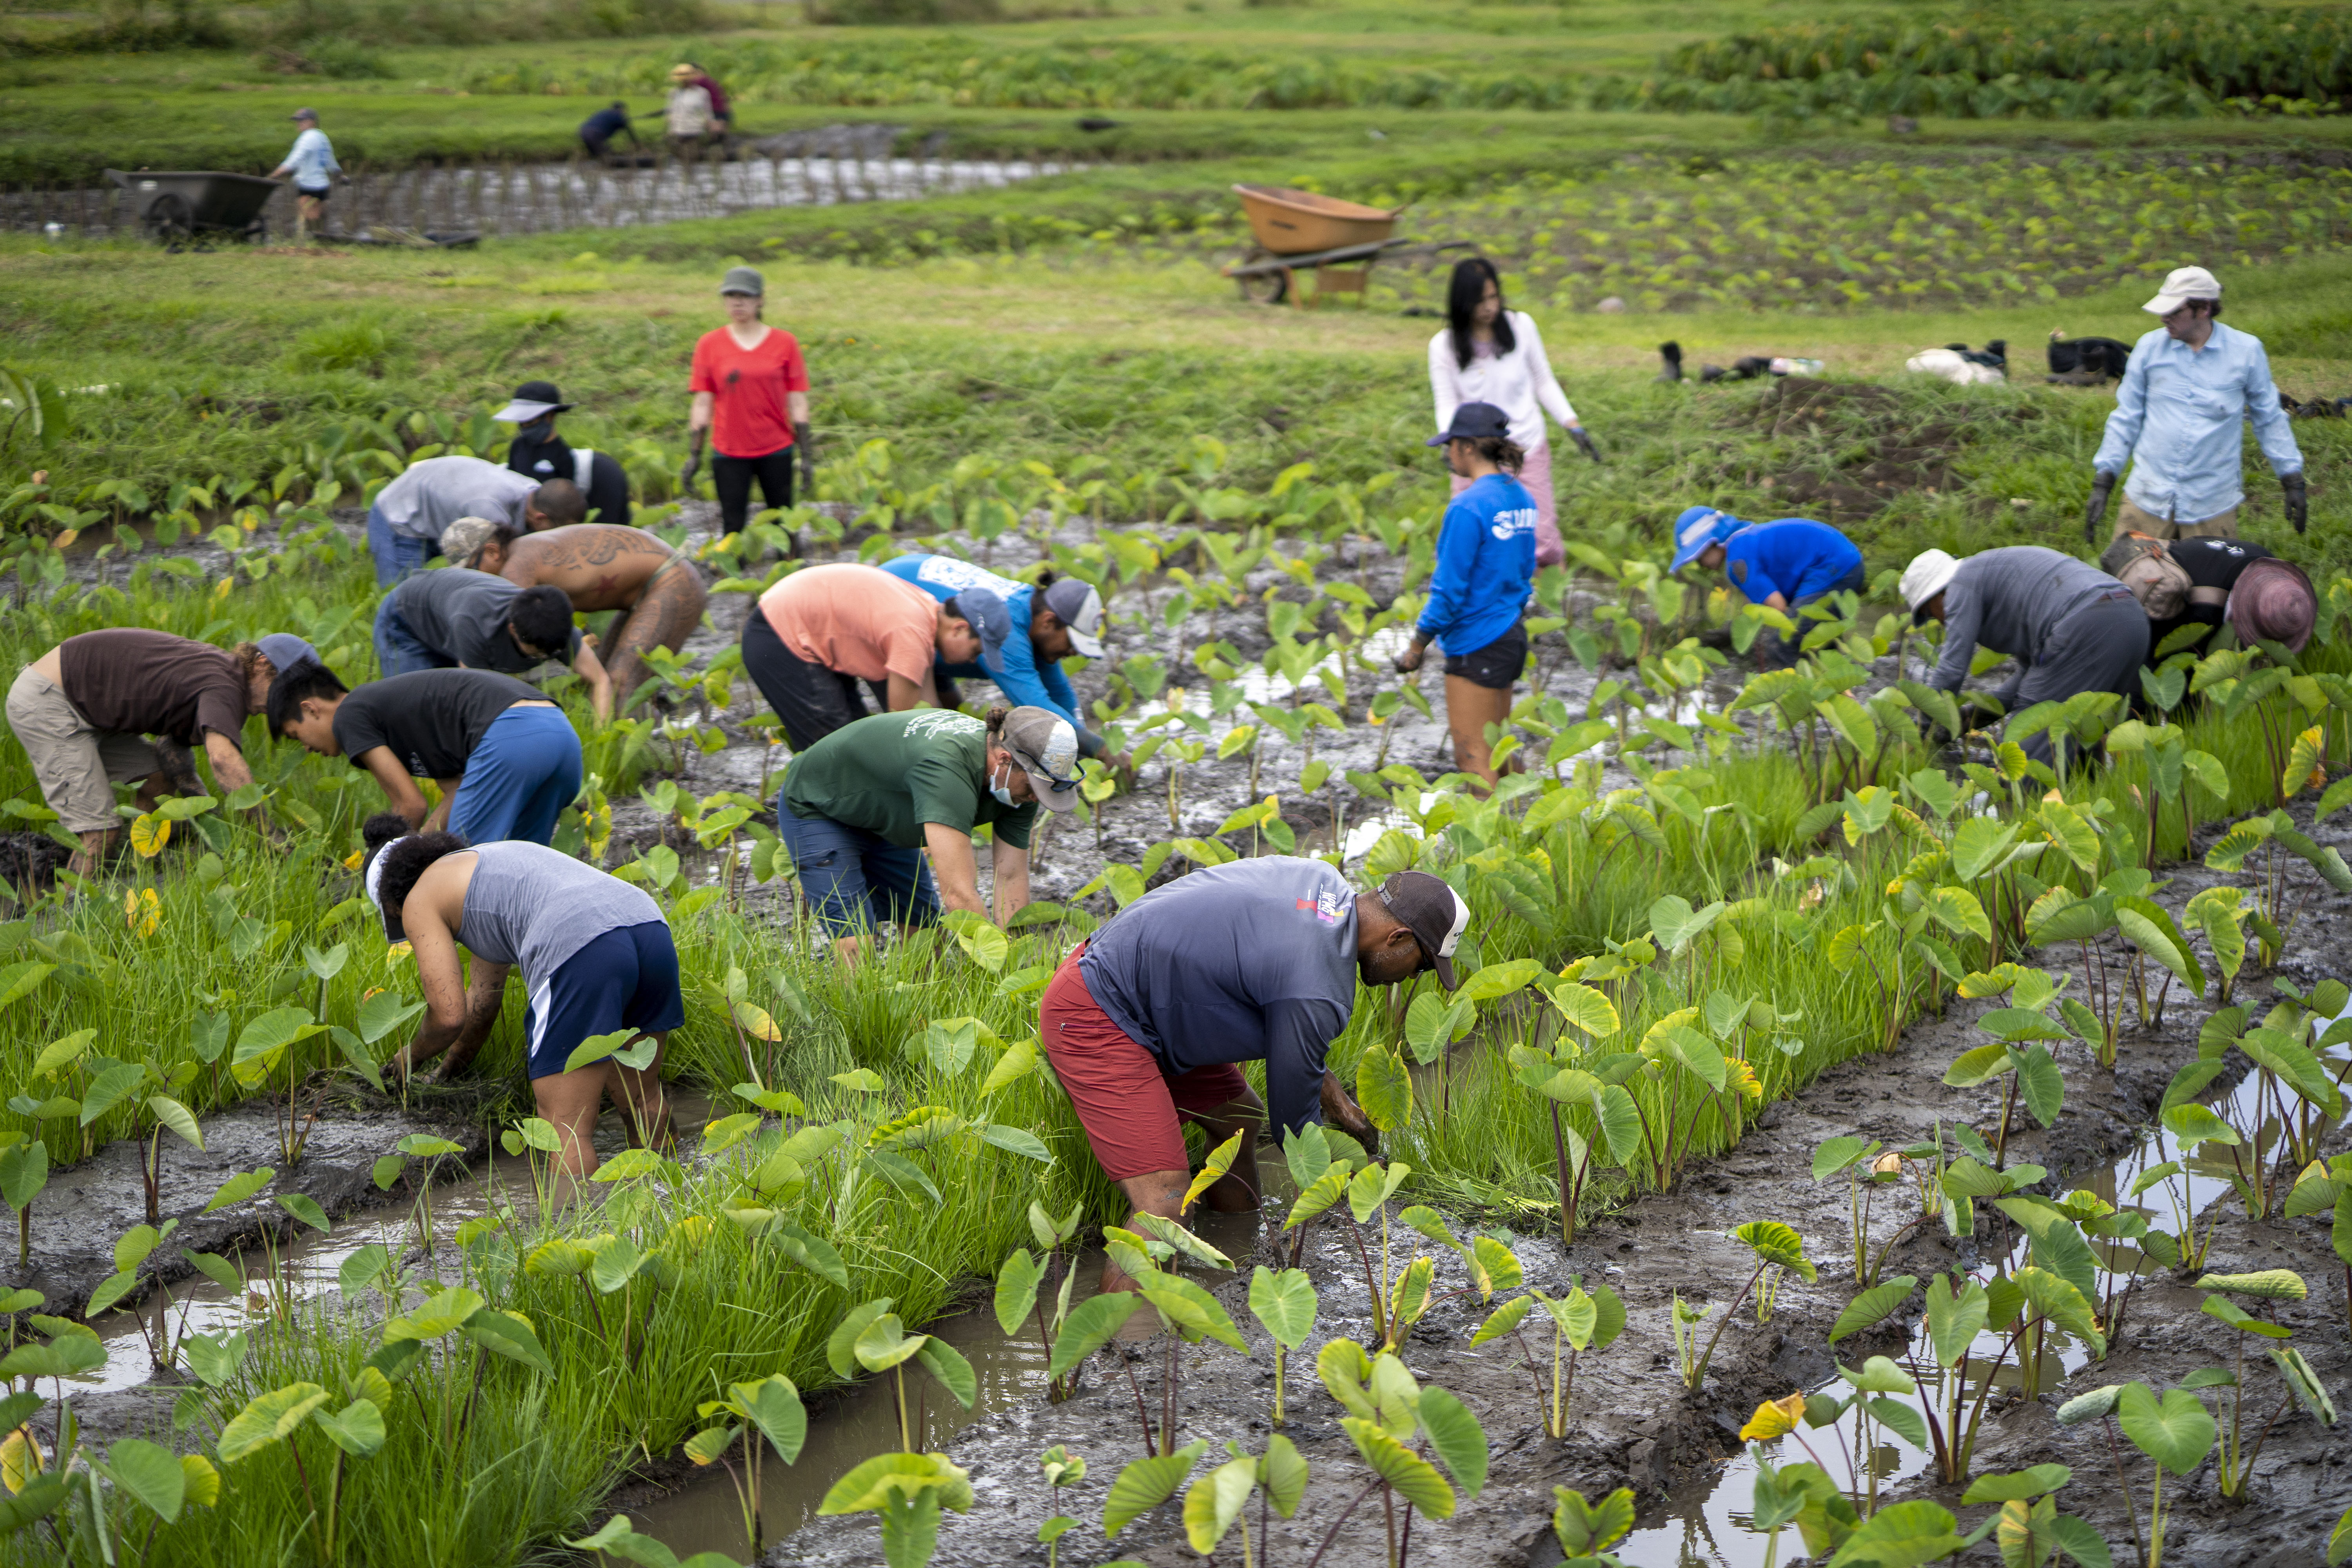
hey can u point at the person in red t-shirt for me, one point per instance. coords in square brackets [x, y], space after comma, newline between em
[752, 396]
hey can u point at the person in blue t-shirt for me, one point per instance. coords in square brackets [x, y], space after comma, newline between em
[1485, 567]
[1064, 616]
[1786, 563]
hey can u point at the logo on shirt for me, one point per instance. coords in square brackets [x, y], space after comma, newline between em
[932, 722]
[950, 573]
[1518, 519]
[1329, 908]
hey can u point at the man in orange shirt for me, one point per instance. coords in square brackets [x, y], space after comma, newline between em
[821, 630]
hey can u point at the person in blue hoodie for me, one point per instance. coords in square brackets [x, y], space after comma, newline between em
[1064, 616]
[1485, 567]
[1786, 563]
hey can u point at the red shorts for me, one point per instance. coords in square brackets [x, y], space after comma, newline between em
[1125, 1100]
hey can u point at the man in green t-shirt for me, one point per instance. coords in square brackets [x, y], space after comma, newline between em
[859, 808]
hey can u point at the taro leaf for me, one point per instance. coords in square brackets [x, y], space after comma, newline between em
[1900, 1535]
[1017, 1280]
[2188, 1083]
[1455, 1436]
[169, 1113]
[1384, 1089]
[2042, 1084]
[363, 1268]
[2049, 1296]
[1285, 1303]
[883, 1344]
[841, 1346]
[2091, 1406]
[1954, 1322]
[41, 1496]
[1836, 1154]
[1585, 1529]
[1976, 1066]
[1903, 1419]
[219, 1270]
[1674, 922]
[1197, 1314]
[357, 1429]
[810, 1251]
[1216, 1500]
[2193, 1123]
[1503, 1319]
[1327, 1190]
[306, 1208]
[775, 1406]
[2060, 1248]
[1308, 1153]
[268, 1419]
[904, 1173]
[1496, 1262]
[441, 1314]
[1776, 1242]
[1090, 1327]
[67, 1355]
[1374, 1185]
[2177, 1432]
[1213, 1170]
[111, 1291]
[2304, 1385]
[1147, 1483]
[2270, 1285]
[1415, 1478]
[1585, 1008]
[236, 1189]
[2149, 927]
[1872, 1306]
[1283, 1472]
[2019, 1023]
[2023, 1485]
[150, 1473]
[1608, 1317]
[509, 1334]
[948, 1365]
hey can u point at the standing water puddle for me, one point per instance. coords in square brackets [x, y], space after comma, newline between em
[1711, 1528]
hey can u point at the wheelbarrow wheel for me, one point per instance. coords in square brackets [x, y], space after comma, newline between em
[1265, 287]
[170, 219]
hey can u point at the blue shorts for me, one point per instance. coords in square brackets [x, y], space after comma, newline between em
[854, 879]
[625, 978]
[397, 649]
[519, 778]
[397, 554]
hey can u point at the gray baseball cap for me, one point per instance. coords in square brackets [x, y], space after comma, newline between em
[990, 618]
[309, 114]
[1078, 607]
[284, 650]
[743, 280]
[1045, 747]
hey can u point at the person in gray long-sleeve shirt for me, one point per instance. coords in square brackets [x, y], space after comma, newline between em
[2069, 626]
[1254, 961]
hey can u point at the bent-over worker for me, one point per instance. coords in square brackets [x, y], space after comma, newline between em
[1786, 563]
[596, 958]
[2069, 626]
[2192, 583]
[596, 132]
[1064, 616]
[457, 618]
[1255, 959]
[506, 759]
[538, 452]
[858, 809]
[821, 630]
[599, 566]
[82, 711]
[2189, 388]
[409, 515]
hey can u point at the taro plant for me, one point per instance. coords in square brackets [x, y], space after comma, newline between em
[2303, 1387]
[1284, 1305]
[871, 1336]
[1022, 1281]
[1219, 1499]
[1586, 1531]
[2018, 1308]
[759, 1417]
[356, 1431]
[1580, 1321]
[24, 1172]
[2174, 1432]
[1774, 1246]
[2028, 1529]
[1860, 1162]
[618, 1538]
[1387, 1410]
[1188, 1313]
[1061, 1468]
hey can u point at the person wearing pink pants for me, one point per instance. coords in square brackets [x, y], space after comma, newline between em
[1490, 354]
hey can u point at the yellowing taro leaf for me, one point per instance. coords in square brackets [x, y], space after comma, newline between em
[149, 834]
[1774, 1419]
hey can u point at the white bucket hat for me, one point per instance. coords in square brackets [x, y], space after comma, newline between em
[2182, 285]
[1929, 573]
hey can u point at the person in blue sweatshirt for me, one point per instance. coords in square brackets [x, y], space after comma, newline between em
[1485, 567]
[1786, 563]
[1064, 616]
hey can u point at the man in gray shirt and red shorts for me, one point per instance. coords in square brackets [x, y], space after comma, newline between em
[1253, 960]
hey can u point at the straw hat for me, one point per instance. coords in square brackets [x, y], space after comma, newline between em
[683, 73]
[2272, 602]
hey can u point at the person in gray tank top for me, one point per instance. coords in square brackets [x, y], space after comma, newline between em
[596, 958]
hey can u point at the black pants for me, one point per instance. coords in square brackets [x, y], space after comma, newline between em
[731, 478]
[812, 700]
[1774, 651]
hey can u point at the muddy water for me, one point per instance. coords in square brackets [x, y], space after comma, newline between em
[1711, 1527]
[853, 1424]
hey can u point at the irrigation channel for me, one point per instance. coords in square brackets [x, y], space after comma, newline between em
[488, 200]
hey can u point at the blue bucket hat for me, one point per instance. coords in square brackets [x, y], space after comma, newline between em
[1697, 528]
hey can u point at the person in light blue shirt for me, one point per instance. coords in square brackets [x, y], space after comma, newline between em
[312, 164]
[1063, 616]
[2188, 388]
[1485, 567]
[1786, 563]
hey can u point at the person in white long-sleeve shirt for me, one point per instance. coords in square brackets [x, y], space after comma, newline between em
[1490, 354]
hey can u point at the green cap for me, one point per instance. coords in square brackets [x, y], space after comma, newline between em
[743, 280]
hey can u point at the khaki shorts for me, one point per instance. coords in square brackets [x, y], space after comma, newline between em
[2130, 518]
[73, 760]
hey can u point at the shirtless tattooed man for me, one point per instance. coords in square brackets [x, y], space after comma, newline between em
[606, 566]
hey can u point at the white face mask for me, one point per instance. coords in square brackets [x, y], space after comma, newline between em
[1002, 792]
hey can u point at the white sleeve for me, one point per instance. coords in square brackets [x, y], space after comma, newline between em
[1444, 378]
[1539, 376]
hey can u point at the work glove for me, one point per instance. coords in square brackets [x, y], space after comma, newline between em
[805, 439]
[2102, 485]
[2298, 499]
[1576, 432]
[685, 475]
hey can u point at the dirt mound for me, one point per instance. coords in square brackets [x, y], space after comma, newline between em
[1867, 447]
[30, 862]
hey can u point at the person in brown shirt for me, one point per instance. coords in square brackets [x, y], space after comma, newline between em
[599, 566]
[82, 711]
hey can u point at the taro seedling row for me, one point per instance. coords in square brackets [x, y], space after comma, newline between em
[1657, 956]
